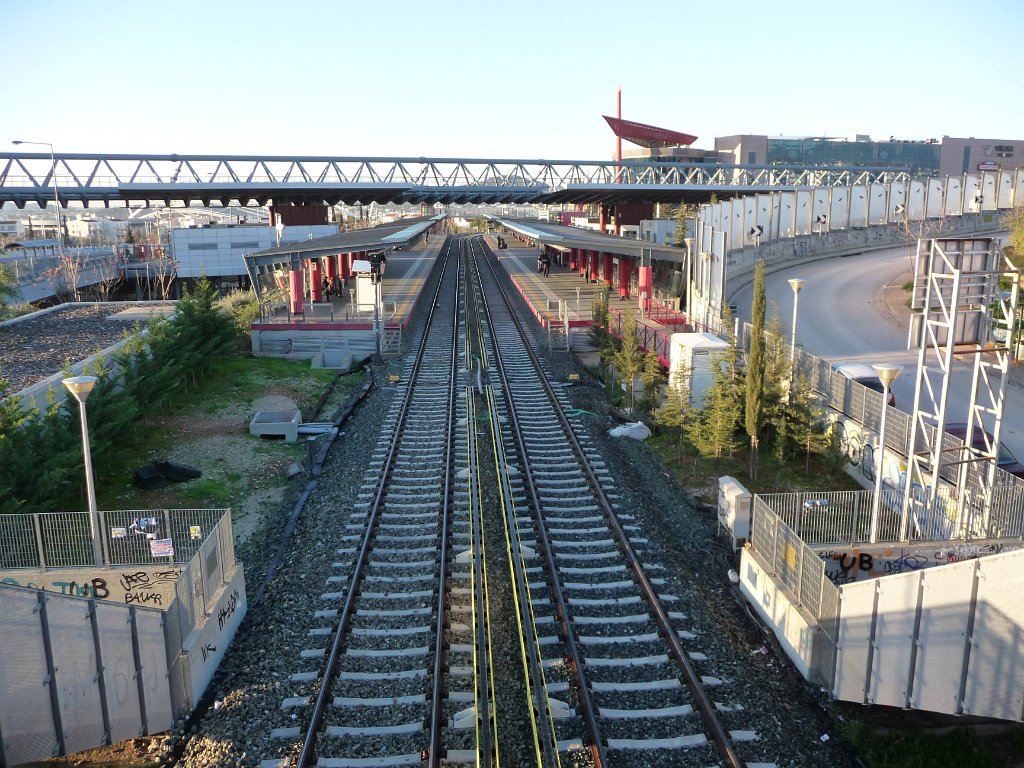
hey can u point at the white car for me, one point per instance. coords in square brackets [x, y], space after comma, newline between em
[863, 374]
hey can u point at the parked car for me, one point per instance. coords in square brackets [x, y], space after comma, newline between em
[863, 374]
[1005, 459]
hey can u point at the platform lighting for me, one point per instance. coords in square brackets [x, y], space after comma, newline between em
[80, 387]
[887, 374]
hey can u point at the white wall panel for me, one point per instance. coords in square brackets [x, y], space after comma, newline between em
[945, 607]
[855, 607]
[916, 200]
[764, 215]
[954, 196]
[839, 215]
[989, 191]
[894, 633]
[1018, 187]
[820, 209]
[858, 206]
[804, 219]
[1004, 187]
[736, 222]
[973, 197]
[749, 220]
[996, 669]
[898, 196]
[878, 204]
[936, 195]
[787, 214]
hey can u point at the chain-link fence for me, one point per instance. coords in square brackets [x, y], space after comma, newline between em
[127, 537]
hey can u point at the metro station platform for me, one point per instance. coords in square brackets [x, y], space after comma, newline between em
[404, 276]
[543, 296]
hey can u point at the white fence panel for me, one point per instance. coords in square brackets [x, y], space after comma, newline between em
[936, 199]
[858, 206]
[156, 682]
[26, 719]
[1005, 190]
[954, 196]
[804, 219]
[856, 602]
[996, 668]
[75, 658]
[945, 609]
[989, 191]
[118, 670]
[878, 204]
[916, 200]
[839, 208]
[894, 629]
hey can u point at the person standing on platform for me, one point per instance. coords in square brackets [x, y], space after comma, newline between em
[327, 289]
[546, 264]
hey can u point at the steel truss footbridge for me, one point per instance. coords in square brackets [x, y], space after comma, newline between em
[179, 180]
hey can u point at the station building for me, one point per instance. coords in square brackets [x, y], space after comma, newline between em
[948, 156]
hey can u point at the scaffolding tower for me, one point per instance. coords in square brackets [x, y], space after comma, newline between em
[965, 314]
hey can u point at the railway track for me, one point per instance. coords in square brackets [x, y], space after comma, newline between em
[492, 604]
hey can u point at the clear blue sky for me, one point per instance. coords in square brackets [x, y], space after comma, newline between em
[507, 80]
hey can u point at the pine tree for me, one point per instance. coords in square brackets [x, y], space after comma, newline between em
[652, 378]
[755, 368]
[675, 411]
[629, 359]
[713, 433]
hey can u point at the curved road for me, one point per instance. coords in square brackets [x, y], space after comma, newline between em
[854, 309]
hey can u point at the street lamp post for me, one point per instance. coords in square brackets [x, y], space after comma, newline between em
[53, 180]
[80, 387]
[887, 374]
[689, 277]
[796, 284]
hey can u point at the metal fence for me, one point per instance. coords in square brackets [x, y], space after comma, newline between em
[1002, 515]
[128, 537]
[793, 561]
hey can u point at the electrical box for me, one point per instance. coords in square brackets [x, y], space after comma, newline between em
[366, 290]
[690, 362]
[734, 510]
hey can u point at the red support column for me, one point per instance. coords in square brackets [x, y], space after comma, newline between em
[606, 272]
[645, 286]
[624, 269]
[330, 269]
[601, 218]
[572, 258]
[315, 281]
[295, 279]
[595, 269]
[584, 261]
[345, 264]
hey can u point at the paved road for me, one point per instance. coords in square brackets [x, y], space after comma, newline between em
[852, 309]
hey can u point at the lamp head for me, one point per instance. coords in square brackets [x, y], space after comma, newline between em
[796, 284]
[80, 386]
[887, 374]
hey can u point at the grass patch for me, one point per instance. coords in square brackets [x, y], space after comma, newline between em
[214, 493]
[225, 395]
[914, 749]
[700, 474]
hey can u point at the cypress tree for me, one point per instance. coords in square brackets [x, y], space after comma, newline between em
[755, 368]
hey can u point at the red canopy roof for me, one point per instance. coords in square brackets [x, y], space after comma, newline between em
[648, 135]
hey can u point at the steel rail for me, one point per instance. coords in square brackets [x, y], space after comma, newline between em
[486, 725]
[588, 710]
[320, 706]
[706, 706]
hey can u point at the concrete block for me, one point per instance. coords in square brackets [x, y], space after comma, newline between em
[276, 423]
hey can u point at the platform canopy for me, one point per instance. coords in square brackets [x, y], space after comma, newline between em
[648, 135]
